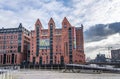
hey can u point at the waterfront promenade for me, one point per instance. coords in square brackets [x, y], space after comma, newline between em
[52, 74]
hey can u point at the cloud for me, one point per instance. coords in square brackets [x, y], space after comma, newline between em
[28, 11]
[96, 12]
[95, 47]
[101, 36]
[101, 31]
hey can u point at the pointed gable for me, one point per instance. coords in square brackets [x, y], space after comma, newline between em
[51, 21]
[65, 22]
[38, 23]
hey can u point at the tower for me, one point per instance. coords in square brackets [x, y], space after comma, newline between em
[67, 40]
[51, 27]
[38, 27]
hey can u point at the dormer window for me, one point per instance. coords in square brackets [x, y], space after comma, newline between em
[65, 26]
[51, 26]
[37, 26]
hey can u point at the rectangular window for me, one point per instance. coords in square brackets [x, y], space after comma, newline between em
[15, 58]
[19, 48]
[4, 59]
[12, 59]
[33, 60]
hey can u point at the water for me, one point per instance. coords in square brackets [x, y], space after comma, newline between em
[45, 74]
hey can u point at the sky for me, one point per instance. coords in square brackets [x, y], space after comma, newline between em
[86, 12]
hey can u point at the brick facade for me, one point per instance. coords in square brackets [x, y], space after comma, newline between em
[57, 46]
[42, 46]
[14, 45]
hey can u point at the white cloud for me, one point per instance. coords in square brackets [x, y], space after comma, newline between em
[87, 12]
[93, 48]
[91, 12]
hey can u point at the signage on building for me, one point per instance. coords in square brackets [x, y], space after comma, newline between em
[44, 44]
[74, 43]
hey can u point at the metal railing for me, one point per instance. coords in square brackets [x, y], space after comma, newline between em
[7, 72]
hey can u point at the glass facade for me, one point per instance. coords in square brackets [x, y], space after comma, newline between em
[19, 41]
[70, 45]
[37, 40]
[51, 43]
[40, 61]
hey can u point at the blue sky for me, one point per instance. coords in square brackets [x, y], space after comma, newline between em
[86, 12]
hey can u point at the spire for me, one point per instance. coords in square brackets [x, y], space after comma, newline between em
[82, 26]
[20, 25]
[51, 21]
[38, 23]
[65, 19]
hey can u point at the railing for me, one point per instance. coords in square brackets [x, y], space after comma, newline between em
[7, 72]
[93, 67]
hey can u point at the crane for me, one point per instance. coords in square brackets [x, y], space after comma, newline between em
[109, 48]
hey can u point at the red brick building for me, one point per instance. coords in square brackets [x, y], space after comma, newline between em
[14, 45]
[57, 45]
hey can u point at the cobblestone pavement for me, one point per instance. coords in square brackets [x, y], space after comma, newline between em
[48, 74]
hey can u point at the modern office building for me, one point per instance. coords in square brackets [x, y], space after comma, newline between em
[57, 45]
[115, 55]
[14, 45]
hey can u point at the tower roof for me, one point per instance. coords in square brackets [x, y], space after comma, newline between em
[65, 21]
[20, 25]
[38, 23]
[82, 26]
[51, 21]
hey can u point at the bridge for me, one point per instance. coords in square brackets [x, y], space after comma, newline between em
[89, 67]
[104, 63]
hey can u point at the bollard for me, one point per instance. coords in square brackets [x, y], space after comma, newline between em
[3, 75]
[51, 68]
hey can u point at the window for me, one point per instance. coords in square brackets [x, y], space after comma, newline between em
[19, 48]
[15, 58]
[65, 25]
